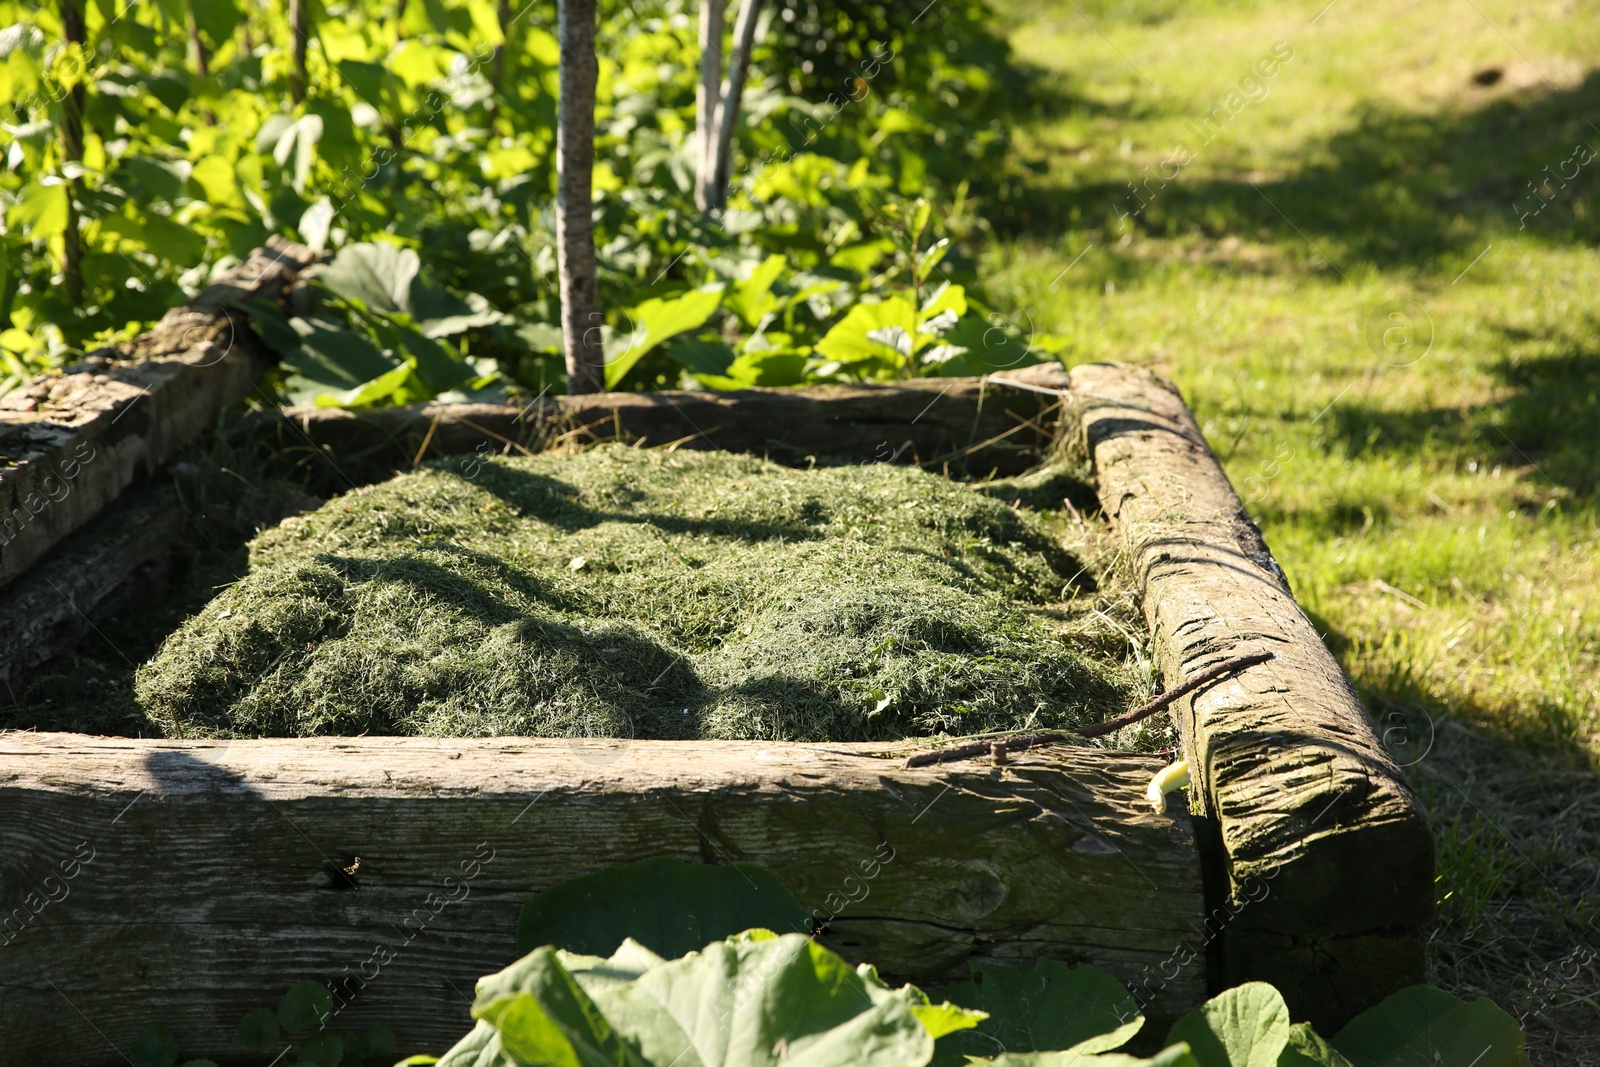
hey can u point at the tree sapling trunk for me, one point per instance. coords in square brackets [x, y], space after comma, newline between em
[580, 290]
[706, 97]
[72, 30]
[299, 21]
[744, 39]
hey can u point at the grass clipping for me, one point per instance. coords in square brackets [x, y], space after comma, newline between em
[630, 593]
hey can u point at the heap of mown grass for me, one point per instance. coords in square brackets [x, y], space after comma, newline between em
[623, 592]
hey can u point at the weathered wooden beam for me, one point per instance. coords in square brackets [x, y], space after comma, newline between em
[189, 882]
[974, 425]
[1326, 855]
[70, 443]
[54, 606]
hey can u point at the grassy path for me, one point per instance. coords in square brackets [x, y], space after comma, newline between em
[1377, 280]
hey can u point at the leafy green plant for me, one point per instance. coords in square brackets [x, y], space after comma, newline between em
[760, 997]
[427, 130]
[1046, 1005]
[757, 997]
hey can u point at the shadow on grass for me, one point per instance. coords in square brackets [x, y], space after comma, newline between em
[1544, 417]
[1515, 808]
[1394, 190]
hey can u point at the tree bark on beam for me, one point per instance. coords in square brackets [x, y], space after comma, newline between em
[1315, 824]
[195, 881]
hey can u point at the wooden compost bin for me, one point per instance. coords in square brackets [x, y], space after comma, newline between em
[188, 882]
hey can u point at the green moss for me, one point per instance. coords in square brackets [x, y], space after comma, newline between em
[623, 592]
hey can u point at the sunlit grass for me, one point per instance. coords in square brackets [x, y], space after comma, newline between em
[1433, 491]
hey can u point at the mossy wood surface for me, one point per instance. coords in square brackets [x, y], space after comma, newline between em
[1325, 855]
[70, 443]
[189, 882]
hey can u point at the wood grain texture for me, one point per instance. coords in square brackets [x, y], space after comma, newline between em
[1305, 800]
[189, 882]
[52, 607]
[973, 425]
[71, 442]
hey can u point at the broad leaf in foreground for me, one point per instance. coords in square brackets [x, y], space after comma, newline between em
[1039, 1008]
[1247, 1026]
[1307, 1048]
[656, 320]
[756, 999]
[1421, 1027]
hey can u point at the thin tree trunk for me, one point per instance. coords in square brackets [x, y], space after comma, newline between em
[744, 41]
[72, 30]
[202, 62]
[705, 102]
[299, 19]
[504, 16]
[580, 290]
[197, 47]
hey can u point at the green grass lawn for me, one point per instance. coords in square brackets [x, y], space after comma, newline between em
[1376, 281]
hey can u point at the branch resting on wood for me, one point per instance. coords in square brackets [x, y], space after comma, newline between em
[1000, 747]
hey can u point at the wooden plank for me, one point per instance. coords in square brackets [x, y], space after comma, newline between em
[1317, 828]
[189, 882]
[974, 425]
[70, 443]
[54, 606]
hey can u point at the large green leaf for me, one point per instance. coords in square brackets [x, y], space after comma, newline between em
[305, 1005]
[699, 356]
[667, 905]
[1247, 1026]
[1039, 1008]
[153, 1047]
[167, 239]
[150, 179]
[342, 359]
[990, 345]
[440, 368]
[849, 340]
[480, 1048]
[394, 385]
[384, 278]
[1307, 1049]
[293, 143]
[749, 1001]
[544, 1016]
[1423, 1027]
[377, 274]
[41, 212]
[371, 82]
[768, 367]
[440, 313]
[258, 1031]
[752, 298]
[219, 18]
[656, 320]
